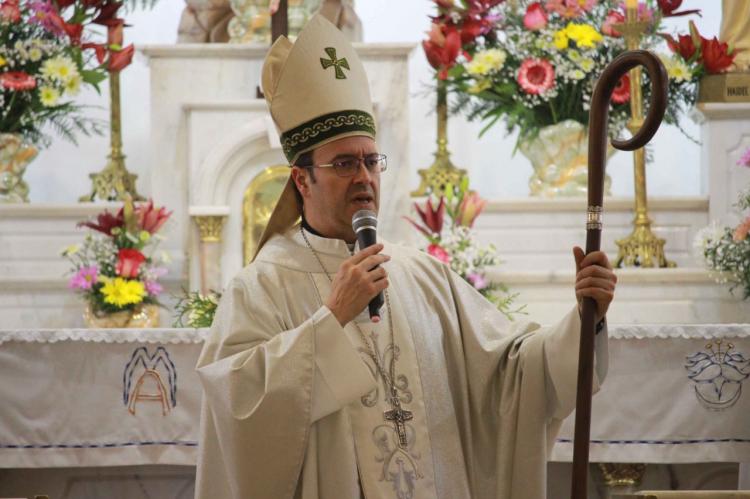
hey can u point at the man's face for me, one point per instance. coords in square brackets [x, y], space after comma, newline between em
[331, 200]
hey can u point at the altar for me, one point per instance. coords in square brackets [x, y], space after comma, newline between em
[109, 402]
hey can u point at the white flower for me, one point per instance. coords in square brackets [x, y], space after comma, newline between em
[48, 95]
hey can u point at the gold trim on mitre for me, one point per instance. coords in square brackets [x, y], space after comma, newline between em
[317, 92]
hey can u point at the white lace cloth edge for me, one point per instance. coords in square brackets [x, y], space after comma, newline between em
[186, 335]
[162, 335]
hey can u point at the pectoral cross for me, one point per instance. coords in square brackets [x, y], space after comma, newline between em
[399, 417]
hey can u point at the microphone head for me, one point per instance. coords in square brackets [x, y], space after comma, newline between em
[364, 219]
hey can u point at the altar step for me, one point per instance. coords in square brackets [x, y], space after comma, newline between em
[533, 236]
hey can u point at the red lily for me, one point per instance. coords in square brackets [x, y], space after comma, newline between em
[432, 218]
[129, 261]
[716, 56]
[684, 45]
[151, 219]
[119, 60]
[668, 8]
[114, 32]
[62, 4]
[99, 49]
[105, 222]
[443, 56]
[74, 32]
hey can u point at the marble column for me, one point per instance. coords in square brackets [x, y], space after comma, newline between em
[210, 221]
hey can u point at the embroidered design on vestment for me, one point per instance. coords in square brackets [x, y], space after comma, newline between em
[718, 374]
[323, 127]
[338, 64]
[387, 358]
[151, 371]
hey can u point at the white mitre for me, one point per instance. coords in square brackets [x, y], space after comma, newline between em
[317, 92]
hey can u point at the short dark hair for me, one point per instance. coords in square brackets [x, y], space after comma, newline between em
[305, 161]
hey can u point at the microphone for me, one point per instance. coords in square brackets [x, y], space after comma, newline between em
[365, 225]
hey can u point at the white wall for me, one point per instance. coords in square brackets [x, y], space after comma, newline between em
[60, 173]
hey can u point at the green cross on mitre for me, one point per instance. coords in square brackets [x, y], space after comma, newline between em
[336, 63]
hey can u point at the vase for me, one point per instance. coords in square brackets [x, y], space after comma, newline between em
[142, 316]
[15, 156]
[559, 157]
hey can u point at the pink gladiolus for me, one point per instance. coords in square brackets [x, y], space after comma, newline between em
[84, 278]
[477, 280]
[469, 209]
[151, 219]
[745, 158]
[740, 233]
[128, 262]
[535, 17]
[438, 252]
[153, 288]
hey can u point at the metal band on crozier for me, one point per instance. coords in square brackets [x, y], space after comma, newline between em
[315, 131]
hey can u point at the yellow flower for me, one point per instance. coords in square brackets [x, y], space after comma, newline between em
[574, 55]
[120, 292]
[35, 54]
[494, 58]
[3, 61]
[676, 68]
[583, 34]
[561, 39]
[144, 236]
[577, 74]
[587, 64]
[71, 250]
[48, 95]
[477, 67]
[480, 86]
[73, 85]
[59, 68]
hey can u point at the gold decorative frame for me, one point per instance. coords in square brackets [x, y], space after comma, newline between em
[258, 203]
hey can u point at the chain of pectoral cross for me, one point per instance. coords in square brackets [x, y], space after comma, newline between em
[397, 415]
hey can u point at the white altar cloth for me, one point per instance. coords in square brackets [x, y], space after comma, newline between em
[80, 397]
[673, 395]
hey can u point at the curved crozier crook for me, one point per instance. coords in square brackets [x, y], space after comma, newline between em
[598, 121]
[599, 113]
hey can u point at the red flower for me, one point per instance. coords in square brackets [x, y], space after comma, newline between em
[107, 13]
[438, 252]
[715, 55]
[17, 80]
[621, 93]
[120, 59]
[536, 76]
[129, 261]
[613, 17]
[535, 17]
[62, 4]
[469, 209]
[105, 222]
[151, 219]
[442, 56]
[10, 11]
[472, 28]
[99, 49]
[114, 32]
[668, 8]
[74, 32]
[684, 45]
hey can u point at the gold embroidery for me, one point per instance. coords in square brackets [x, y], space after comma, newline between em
[160, 396]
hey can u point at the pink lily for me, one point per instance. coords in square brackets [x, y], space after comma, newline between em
[151, 219]
[469, 209]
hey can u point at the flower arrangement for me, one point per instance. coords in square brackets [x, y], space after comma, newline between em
[726, 250]
[115, 270]
[534, 64]
[46, 56]
[453, 242]
[195, 309]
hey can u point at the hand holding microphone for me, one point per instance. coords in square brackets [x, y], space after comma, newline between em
[360, 280]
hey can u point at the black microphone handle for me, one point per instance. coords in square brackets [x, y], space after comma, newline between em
[366, 238]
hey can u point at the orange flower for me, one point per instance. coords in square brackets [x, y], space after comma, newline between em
[740, 233]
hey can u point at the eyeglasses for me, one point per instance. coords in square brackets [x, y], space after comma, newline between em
[349, 166]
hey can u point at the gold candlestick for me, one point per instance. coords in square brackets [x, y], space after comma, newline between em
[641, 248]
[442, 171]
[115, 181]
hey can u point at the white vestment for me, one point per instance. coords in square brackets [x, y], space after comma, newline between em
[293, 404]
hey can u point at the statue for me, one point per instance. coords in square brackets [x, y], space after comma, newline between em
[735, 30]
[242, 21]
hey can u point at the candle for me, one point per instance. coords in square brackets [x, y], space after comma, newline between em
[631, 4]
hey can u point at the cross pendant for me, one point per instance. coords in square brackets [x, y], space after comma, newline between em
[399, 417]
